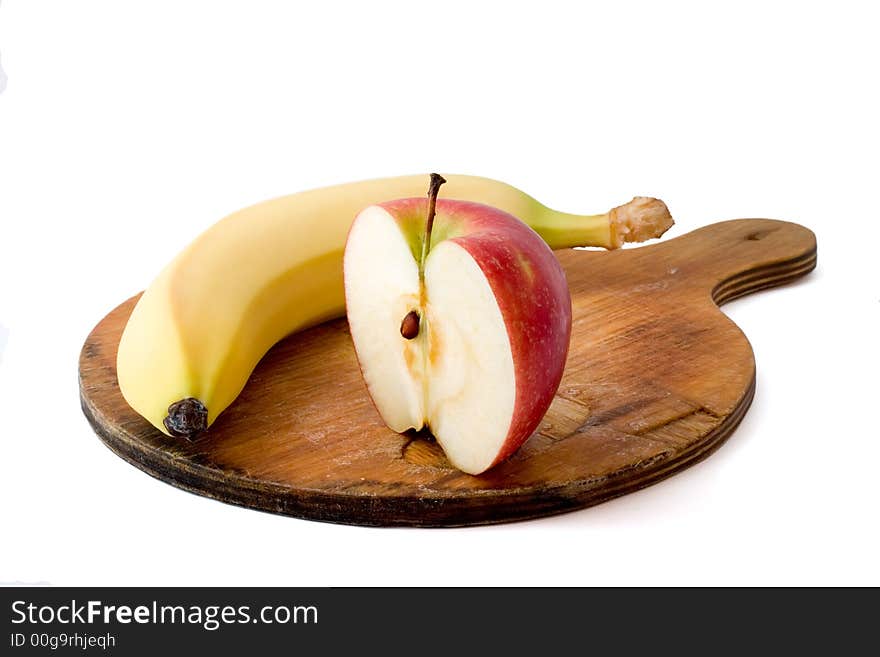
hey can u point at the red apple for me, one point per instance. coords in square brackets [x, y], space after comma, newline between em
[461, 319]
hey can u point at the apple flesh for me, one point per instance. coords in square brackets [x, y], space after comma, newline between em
[473, 346]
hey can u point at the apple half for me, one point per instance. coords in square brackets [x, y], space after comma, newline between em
[461, 319]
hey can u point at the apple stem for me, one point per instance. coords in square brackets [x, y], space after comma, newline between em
[433, 189]
[409, 327]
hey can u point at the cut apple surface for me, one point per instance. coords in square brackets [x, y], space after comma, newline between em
[470, 342]
[381, 287]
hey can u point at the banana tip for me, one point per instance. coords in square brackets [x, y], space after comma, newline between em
[186, 418]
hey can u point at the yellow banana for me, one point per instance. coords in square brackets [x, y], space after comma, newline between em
[268, 270]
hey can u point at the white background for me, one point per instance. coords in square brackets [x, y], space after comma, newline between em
[127, 128]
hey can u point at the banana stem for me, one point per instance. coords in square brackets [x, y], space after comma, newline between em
[562, 230]
[641, 219]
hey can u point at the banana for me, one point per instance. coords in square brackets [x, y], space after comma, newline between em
[201, 327]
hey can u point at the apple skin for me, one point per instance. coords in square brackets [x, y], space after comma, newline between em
[529, 286]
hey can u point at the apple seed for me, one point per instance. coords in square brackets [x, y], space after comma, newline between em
[409, 327]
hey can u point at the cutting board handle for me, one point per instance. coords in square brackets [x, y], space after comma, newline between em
[733, 258]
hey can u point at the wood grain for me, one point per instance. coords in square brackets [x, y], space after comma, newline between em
[657, 378]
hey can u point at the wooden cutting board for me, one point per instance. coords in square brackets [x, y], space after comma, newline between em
[656, 379]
